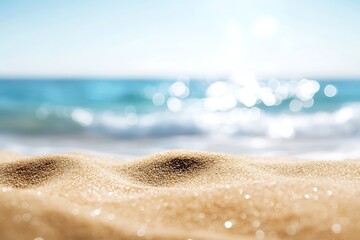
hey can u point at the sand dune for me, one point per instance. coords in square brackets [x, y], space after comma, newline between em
[177, 195]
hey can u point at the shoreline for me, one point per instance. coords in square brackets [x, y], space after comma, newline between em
[127, 149]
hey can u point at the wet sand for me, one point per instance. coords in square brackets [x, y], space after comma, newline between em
[177, 195]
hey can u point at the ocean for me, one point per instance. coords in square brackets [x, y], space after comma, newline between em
[306, 118]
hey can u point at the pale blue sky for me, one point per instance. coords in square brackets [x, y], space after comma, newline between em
[162, 38]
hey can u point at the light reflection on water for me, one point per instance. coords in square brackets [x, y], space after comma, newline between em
[266, 117]
[272, 108]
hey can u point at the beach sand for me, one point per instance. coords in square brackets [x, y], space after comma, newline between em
[177, 195]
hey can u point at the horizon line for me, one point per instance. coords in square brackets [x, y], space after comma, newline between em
[167, 77]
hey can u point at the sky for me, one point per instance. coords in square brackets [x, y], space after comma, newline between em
[168, 38]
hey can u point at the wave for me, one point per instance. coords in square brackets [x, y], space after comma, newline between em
[131, 109]
[237, 122]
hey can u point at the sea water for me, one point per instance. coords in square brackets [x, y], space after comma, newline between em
[311, 118]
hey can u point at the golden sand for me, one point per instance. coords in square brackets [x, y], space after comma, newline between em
[177, 195]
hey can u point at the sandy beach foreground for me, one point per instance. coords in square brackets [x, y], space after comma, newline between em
[177, 195]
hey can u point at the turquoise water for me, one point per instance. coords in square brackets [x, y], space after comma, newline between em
[130, 109]
[57, 106]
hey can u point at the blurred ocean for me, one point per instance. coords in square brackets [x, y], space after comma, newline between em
[313, 118]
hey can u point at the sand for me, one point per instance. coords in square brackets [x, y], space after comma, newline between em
[177, 195]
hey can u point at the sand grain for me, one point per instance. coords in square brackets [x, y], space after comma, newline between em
[177, 195]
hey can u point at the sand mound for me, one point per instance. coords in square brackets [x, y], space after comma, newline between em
[177, 195]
